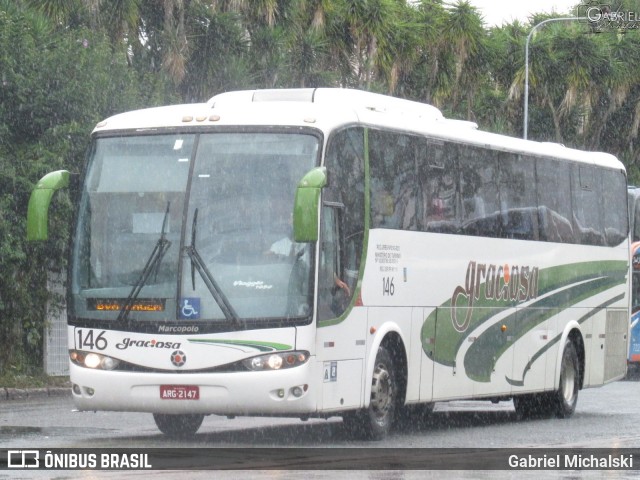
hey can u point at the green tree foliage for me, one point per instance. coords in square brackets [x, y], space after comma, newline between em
[56, 84]
[66, 64]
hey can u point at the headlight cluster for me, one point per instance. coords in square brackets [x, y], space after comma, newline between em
[93, 360]
[276, 361]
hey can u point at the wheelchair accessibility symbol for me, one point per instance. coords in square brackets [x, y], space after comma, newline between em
[189, 308]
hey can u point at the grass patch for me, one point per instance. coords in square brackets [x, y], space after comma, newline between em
[38, 380]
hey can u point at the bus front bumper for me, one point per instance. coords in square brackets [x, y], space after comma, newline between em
[288, 392]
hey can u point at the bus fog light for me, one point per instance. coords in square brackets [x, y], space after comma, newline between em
[76, 389]
[297, 392]
[281, 393]
[92, 360]
[90, 391]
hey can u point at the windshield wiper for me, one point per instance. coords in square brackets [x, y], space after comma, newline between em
[198, 264]
[152, 266]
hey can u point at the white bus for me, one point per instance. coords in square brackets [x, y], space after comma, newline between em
[332, 252]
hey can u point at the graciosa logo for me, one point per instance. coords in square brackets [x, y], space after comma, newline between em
[501, 283]
[132, 342]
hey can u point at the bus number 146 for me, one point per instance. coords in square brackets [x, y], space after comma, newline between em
[88, 341]
[388, 288]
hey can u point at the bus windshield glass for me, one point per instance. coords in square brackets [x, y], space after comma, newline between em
[193, 227]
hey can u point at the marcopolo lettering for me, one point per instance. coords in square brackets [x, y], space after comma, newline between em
[502, 283]
[129, 342]
[178, 329]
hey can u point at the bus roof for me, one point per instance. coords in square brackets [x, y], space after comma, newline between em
[330, 108]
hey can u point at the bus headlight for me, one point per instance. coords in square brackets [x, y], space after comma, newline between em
[93, 360]
[276, 361]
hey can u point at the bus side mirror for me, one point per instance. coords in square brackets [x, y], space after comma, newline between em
[38, 210]
[306, 203]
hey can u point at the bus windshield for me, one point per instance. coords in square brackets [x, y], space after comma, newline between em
[193, 227]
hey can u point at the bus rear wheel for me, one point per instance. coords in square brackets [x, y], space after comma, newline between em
[178, 425]
[565, 398]
[562, 401]
[376, 421]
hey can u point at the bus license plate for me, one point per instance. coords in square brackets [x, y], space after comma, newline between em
[179, 392]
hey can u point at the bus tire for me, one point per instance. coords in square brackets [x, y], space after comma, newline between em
[375, 422]
[183, 425]
[565, 397]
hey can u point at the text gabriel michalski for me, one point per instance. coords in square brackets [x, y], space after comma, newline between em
[573, 461]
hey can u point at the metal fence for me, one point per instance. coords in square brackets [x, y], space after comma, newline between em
[56, 352]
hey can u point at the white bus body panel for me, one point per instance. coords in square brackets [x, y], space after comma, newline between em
[341, 351]
[427, 279]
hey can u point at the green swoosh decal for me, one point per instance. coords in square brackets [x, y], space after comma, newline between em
[489, 347]
[556, 339]
[260, 346]
[492, 343]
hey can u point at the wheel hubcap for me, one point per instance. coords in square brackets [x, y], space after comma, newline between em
[381, 391]
[569, 376]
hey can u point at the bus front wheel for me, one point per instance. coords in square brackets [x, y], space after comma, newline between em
[178, 425]
[376, 421]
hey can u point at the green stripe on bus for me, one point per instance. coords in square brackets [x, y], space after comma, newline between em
[556, 339]
[491, 344]
[571, 283]
[260, 346]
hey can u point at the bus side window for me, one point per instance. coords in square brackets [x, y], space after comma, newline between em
[481, 204]
[438, 208]
[616, 221]
[518, 200]
[587, 196]
[342, 223]
[554, 201]
[333, 293]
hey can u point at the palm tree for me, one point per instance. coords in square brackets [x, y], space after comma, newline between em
[505, 47]
[307, 58]
[616, 87]
[466, 38]
[59, 11]
[548, 78]
[121, 19]
[219, 50]
[584, 80]
[427, 78]
[255, 12]
[355, 31]
[174, 40]
[399, 47]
